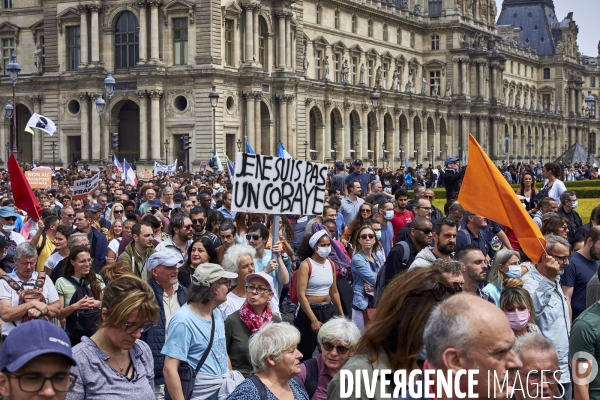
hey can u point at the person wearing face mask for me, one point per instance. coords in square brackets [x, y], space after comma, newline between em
[506, 265]
[385, 213]
[568, 204]
[318, 297]
[13, 239]
[518, 307]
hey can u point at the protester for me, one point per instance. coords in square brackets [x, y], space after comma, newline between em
[546, 205]
[421, 207]
[506, 264]
[227, 233]
[114, 362]
[385, 213]
[443, 243]
[365, 213]
[61, 248]
[136, 253]
[452, 270]
[180, 237]
[553, 186]
[275, 359]
[352, 203]
[528, 190]
[402, 215]
[97, 240]
[452, 177]
[113, 246]
[197, 328]
[475, 272]
[76, 239]
[241, 224]
[568, 204]
[518, 307]
[539, 374]
[473, 233]
[238, 259]
[200, 251]
[555, 225]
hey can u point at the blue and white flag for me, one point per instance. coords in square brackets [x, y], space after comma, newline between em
[230, 167]
[406, 164]
[248, 147]
[117, 164]
[130, 177]
[282, 152]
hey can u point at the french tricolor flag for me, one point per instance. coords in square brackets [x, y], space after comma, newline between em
[130, 177]
[117, 165]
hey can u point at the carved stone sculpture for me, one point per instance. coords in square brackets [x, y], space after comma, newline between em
[345, 71]
[361, 80]
[326, 68]
[395, 84]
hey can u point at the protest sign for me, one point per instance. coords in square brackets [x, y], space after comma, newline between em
[39, 179]
[266, 184]
[165, 169]
[145, 175]
[83, 187]
[203, 165]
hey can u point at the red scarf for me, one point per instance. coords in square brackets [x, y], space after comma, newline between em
[252, 320]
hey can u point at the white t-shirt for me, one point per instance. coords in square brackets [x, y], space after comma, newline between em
[17, 237]
[54, 259]
[114, 245]
[556, 190]
[7, 293]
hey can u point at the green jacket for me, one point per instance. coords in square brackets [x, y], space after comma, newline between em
[131, 258]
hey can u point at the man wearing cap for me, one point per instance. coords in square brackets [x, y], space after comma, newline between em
[170, 296]
[338, 180]
[225, 209]
[452, 178]
[177, 199]
[97, 219]
[180, 230]
[38, 367]
[361, 177]
[98, 242]
[155, 205]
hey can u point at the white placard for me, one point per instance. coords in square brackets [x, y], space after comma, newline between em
[272, 185]
[83, 187]
[165, 169]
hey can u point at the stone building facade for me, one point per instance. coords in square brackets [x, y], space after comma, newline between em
[300, 72]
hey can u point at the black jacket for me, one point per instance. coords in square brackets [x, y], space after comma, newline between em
[574, 223]
[452, 181]
[155, 336]
[393, 263]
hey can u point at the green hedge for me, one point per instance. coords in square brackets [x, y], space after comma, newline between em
[584, 189]
[571, 184]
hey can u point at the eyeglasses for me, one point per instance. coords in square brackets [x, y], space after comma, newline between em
[253, 237]
[187, 227]
[424, 208]
[132, 328]
[549, 375]
[329, 347]
[10, 218]
[365, 210]
[118, 211]
[439, 290]
[225, 282]
[257, 289]
[429, 197]
[562, 259]
[564, 227]
[34, 382]
[364, 236]
[426, 231]
[70, 215]
[198, 221]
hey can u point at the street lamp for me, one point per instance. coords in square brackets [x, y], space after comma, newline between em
[214, 100]
[167, 151]
[417, 151]
[375, 96]
[590, 105]
[239, 144]
[7, 154]
[432, 156]
[383, 155]
[53, 155]
[100, 107]
[334, 152]
[530, 147]
[305, 149]
[109, 90]
[401, 148]
[446, 149]
[13, 69]
[354, 147]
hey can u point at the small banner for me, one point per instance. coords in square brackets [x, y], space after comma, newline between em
[39, 179]
[83, 187]
[165, 169]
[144, 175]
[203, 165]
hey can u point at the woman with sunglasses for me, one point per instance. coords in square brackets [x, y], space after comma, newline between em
[393, 339]
[249, 318]
[365, 266]
[556, 225]
[365, 212]
[117, 213]
[200, 251]
[114, 363]
[318, 296]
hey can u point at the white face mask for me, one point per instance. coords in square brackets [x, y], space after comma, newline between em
[378, 235]
[389, 215]
[323, 251]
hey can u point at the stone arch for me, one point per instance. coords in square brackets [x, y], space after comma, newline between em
[315, 133]
[266, 126]
[266, 17]
[110, 17]
[126, 50]
[22, 113]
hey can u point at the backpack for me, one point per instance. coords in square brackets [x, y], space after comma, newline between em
[380, 280]
[81, 322]
[294, 283]
[28, 295]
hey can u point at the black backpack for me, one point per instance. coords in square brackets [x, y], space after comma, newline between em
[82, 322]
[380, 280]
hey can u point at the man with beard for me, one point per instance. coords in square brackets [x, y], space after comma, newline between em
[421, 207]
[583, 265]
[443, 242]
[227, 232]
[352, 202]
[179, 239]
[199, 230]
[549, 302]
[475, 271]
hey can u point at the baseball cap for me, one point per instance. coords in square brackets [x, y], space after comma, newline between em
[207, 274]
[339, 165]
[178, 197]
[96, 208]
[162, 258]
[450, 160]
[358, 161]
[43, 338]
[263, 276]
[155, 203]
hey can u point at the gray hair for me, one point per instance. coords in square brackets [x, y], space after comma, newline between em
[553, 240]
[448, 266]
[165, 190]
[533, 341]
[339, 329]
[25, 250]
[271, 340]
[76, 237]
[447, 326]
[232, 256]
[566, 195]
[64, 210]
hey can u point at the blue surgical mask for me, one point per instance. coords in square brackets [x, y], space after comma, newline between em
[514, 271]
[378, 235]
[389, 215]
[8, 228]
[575, 204]
[387, 183]
[177, 205]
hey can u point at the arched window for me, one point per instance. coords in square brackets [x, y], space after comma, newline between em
[385, 33]
[354, 24]
[262, 42]
[370, 28]
[337, 20]
[126, 41]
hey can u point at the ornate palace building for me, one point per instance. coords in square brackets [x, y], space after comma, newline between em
[300, 72]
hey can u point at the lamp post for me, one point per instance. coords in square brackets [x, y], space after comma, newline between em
[417, 147]
[8, 113]
[334, 152]
[383, 155]
[354, 147]
[109, 90]
[13, 69]
[401, 148]
[167, 152]
[53, 155]
[432, 155]
[239, 144]
[590, 106]
[446, 149]
[375, 96]
[100, 107]
[214, 100]
[530, 147]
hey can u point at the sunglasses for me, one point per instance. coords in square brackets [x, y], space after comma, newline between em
[439, 290]
[118, 211]
[365, 210]
[252, 237]
[10, 218]
[340, 349]
[198, 221]
[426, 231]
[364, 236]
[429, 197]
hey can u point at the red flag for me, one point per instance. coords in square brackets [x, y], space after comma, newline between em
[22, 193]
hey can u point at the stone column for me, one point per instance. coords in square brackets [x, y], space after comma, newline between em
[38, 140]
[481, 81]
[155, 136]
[281, 51]
[256, 32]
[250, 119]
[463, 78]
[282, 125]
[95, 131]
[346, 142]
[363, 140]
[327, 131]
[578, 104]
[394, 151]
[380, 137]
[154, 28]
[480, 129]
[493, 142]
[291, 138]
[288, 44]
[464, 135]
[258, 121]
[493, 82]
[95, 9]
[143, 39]
[85, 127]
[143, 96]
[83, 31]
[572, 101]
[249, 33]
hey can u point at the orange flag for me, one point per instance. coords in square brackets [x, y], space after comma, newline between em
[486, 192]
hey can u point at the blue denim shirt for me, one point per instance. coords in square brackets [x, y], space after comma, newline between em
[551, 315]
[361, 273]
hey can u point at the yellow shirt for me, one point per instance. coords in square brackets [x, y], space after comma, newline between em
[44, 253]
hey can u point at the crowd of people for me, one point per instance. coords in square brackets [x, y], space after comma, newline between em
[162, 291]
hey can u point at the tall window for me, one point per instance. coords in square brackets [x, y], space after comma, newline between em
[354, 70]
[73, 47]
[318, 59]
[370, 28]
[318, 15]
[337, 65]
[354, 24]
[8, 3]
[399, 36]
[229, 32]
[546, 101]
[126, 41]
[370, 72]
[546, 73]
[180, 40]
[262, 41]
[385, 69]
[337, 20]
[435, 42]
[592, 81]
[434, 78]
[385, 33]
[435, 8]
[8, 48]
